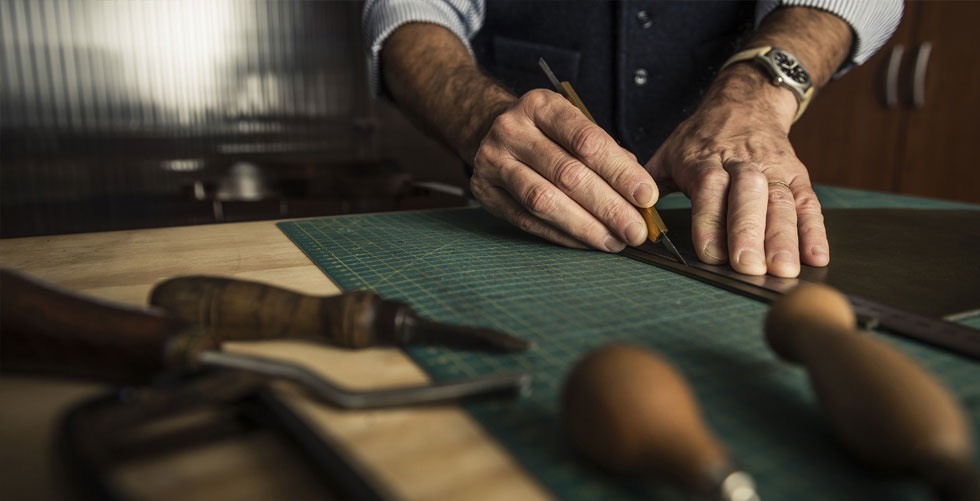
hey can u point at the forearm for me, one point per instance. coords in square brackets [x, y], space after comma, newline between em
[433, 79]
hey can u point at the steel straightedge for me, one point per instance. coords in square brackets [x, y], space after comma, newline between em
[954, 337]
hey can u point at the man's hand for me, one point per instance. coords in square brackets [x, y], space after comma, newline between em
[549, 170]
[538, 162]
[752, 203]
[751, 198]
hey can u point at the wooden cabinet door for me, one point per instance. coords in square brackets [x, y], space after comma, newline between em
[943, 131]
[852, 136]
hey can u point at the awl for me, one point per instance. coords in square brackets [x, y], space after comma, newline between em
[656, 229]
[356, 319]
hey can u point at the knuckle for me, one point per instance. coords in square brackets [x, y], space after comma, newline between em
[478, 188]
[707, 219]
[536, 98]
[570, 175]
[482, 158]
[747, 229]
[613, 212]
[812, 224]
[753, 177]
[525, 222]
[540, 199]
[506, 124]
[809, 204]
[713, 180]
[781, 196]
[587, 141]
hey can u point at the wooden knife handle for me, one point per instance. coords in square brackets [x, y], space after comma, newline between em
[884, 406]
[243, 309]
[631, 412]
[48, 331]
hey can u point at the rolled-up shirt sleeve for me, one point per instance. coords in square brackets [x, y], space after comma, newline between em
[872, 21]
[381, 17]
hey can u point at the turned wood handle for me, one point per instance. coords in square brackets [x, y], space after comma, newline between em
[883, 405]
[243, 309]
[48, 331]
[632, 413]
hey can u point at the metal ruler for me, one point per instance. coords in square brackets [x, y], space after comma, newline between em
[958, 338]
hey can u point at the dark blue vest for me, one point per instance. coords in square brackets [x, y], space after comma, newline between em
[640, 66]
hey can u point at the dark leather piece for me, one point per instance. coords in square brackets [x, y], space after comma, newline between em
[920, 260]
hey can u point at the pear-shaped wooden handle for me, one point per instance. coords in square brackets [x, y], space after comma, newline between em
[632, 413]
[884, 406]
[242, 310]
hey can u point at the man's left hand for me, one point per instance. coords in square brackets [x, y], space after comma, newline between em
[752, 203]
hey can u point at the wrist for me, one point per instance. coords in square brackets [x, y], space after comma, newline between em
[495, 101]
[745, 85]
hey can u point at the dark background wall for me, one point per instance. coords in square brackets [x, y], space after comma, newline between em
[121, 114]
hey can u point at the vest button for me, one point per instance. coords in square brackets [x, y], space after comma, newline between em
[640, 77]
[643, 19]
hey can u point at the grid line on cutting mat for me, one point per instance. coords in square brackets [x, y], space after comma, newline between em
[464, 266]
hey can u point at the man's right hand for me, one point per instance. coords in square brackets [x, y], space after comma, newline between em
[538, 162]
[550, 171]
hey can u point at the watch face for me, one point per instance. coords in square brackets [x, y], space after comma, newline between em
[790, 67]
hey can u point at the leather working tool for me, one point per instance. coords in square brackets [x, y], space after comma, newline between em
[656, 229]
[883, 406]
[53, 332]
[356, 319]
[632, 413]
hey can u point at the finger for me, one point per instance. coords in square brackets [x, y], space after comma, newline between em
[782, 241]
[566, 125]
[545, 201]
[814, 246]
[501, 204]
[708, 191]
[585, 187]
[748, 199]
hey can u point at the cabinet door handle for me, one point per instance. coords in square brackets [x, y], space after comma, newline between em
[891, 76]
[919, 75]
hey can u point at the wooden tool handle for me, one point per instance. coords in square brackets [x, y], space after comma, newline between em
[632, 413]
[47, 331]
[884, 406]
[250, 310]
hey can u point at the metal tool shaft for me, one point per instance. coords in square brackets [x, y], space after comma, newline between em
[515, 384]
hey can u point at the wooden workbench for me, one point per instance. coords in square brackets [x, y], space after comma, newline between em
[419, 453]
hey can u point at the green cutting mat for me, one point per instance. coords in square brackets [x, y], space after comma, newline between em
[465, 266]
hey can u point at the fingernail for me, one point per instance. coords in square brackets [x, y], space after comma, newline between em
[783, 258]
[635, 233]
[714, 252]
[643, 195]
[817, 251]
[613, 244]
[751, 262]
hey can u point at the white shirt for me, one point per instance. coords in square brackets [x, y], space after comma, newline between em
[872, 21]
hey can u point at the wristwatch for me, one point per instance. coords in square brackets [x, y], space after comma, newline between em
[784, 69]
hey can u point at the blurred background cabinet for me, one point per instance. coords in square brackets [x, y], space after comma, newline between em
[908, 120]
